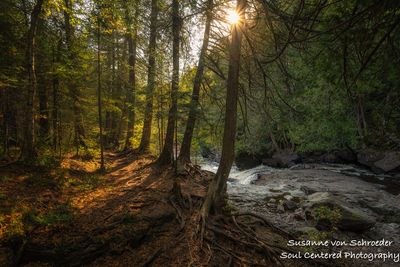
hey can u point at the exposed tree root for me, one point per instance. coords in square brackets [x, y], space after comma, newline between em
[152, 257]
[265, 221]
[159, 221]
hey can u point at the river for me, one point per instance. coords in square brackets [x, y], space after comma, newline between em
[269, 191]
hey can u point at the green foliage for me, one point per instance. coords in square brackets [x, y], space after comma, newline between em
[48, 160]
[334, 84]
[61, 214]
[324, 123]
[85, 181]
[15, 228]
[324, 212]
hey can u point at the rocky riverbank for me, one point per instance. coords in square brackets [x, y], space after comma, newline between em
[320, 200]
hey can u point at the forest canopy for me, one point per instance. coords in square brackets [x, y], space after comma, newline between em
[314, 75]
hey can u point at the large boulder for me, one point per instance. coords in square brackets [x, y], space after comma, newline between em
[346, 156]
[379, 161]
[287, 159]
[389, 162]
[339, 156]
[246, 161]
[271, 162]
[327, 210]
[282, 160]
[330, 158]
[369, 157]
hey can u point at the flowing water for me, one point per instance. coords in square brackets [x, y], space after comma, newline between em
[263, 189]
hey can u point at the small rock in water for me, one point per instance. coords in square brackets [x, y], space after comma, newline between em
[300, 167]
[233, 181]
[307, 190]
[299, 215]
[290, 205]
[280, 208]
[288, 197]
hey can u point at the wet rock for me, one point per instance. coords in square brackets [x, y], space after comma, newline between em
[305, 231]
[307, 190]
[290, 205]
[299, 215]
[288, 197]
[346, 156]
[233, 181]
[329, 158]
[368, 157]
[287, 159]
[391, 230]
[336, 213]
[280, 208]
[389, 162]
[282, 160]
[246, 161]
[271, 162]
[299, 167]
[388, 213]
[379, 161]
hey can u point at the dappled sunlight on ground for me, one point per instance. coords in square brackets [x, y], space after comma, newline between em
[135, 214]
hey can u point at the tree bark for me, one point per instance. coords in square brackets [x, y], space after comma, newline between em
[99, 104]
[167, 154]
[112, 133]
[217, 189]
[184, 155]
[151, 74]
[56, 84]
[79, 131]
[3, 119]
[44, 126]
[131, 90]
[29, 150]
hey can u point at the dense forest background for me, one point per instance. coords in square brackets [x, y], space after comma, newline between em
[315, 75]
[106, 107]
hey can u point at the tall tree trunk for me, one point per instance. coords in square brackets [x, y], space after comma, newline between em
[99, 105]
[79, 131]
[167, 154]
[217, 189]
[43, 123]
[29, 150]
[184, 155]
[56, 83]
[3, 119]
[151, 75]
[131, 90]
[112, 133]
[160, 119]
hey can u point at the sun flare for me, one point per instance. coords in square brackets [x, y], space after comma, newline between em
[233, 17]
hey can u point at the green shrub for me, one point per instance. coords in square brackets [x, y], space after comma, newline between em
[61, 214]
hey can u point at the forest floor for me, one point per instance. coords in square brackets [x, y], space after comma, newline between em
[135, 214]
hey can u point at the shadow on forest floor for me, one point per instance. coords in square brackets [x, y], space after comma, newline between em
[136, 214]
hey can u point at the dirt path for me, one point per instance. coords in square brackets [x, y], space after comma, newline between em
[137, 215]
